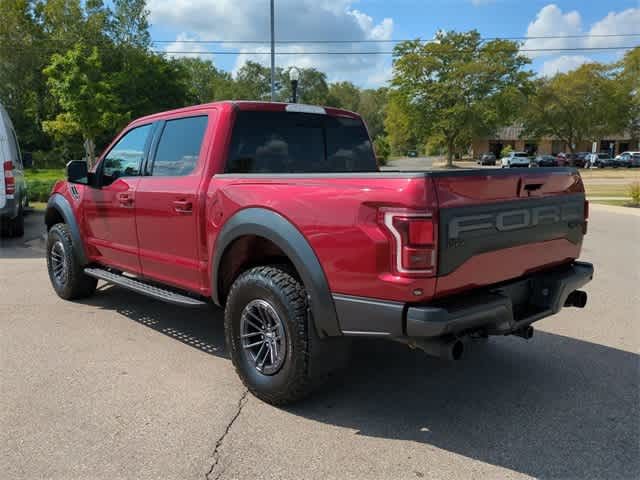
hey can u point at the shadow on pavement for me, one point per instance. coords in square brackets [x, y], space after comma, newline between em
[552, 407]
[201, 328]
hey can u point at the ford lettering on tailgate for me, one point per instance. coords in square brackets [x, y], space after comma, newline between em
[467, 231]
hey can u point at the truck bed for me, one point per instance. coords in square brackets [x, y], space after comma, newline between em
[337, 213]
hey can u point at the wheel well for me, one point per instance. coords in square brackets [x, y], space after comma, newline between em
[244, 253]
[53, 216]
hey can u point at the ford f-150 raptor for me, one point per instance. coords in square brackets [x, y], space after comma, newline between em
[279, 214]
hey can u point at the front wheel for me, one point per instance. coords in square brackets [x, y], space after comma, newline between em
[273, 345]
[66, 274]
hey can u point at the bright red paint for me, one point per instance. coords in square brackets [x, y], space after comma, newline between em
[165, 228]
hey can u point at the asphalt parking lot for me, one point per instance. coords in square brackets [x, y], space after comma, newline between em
[121, 386]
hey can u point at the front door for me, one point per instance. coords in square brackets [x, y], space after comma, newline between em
[168, 217]
[110, 207]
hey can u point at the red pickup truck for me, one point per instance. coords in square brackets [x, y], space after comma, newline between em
[280, 214]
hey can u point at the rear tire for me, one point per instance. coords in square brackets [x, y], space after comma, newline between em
[271, 340]
[66, 274]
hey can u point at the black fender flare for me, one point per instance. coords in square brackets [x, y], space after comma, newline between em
[274, 227]
[61, 205]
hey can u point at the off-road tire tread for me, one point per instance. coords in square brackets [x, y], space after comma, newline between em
[80, 285]
[301, 383]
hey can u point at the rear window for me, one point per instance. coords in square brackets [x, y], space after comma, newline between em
[603, 155]
[520, 155]
[287, 142]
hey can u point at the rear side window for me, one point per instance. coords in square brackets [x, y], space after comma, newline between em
[287, 142]
[179, 147]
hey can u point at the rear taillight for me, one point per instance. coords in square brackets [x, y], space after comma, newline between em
[9, 179]
[414, 238]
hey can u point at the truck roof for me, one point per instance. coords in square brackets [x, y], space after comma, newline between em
[249, 105]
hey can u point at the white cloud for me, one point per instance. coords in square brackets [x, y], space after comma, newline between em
[620, 23]
[562, 64]
[551, 21]
[184, 43]
[299, 20]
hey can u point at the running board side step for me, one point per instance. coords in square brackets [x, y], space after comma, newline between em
[138, 286]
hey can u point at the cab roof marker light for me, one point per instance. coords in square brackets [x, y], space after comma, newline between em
[302, 108]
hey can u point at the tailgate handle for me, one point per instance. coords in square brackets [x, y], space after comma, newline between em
[530, 187]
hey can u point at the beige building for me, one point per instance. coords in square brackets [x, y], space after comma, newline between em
[513, 136]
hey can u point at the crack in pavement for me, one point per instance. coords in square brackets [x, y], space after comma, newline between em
[216, 450]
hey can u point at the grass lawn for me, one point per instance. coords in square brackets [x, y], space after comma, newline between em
[41, 181]
[632, 174]
[41, 174]
[603, 190]
[38, 206]
[616, 203]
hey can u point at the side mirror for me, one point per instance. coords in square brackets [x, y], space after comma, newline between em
[27, 159]
[77, 172]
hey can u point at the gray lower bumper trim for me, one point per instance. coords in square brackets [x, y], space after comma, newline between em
[365, 316]
[500, 309]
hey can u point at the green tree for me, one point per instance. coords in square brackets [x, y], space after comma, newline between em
[459, 86]
[344, 95]
[382, 149]
[581, 105]
[629, 81]
[401, 133]
[205, 83]
[131, 24]
[372, 107]
[22, 58]
[253, 82]
[84, 92]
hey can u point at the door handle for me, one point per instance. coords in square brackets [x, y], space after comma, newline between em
[183, 206]
[125, 199]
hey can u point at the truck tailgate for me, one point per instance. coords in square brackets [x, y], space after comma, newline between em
[496, 225]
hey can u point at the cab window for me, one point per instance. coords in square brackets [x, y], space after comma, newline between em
[125, 158]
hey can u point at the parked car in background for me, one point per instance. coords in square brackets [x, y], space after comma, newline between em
[515, 159]
[544, 161]
[627, 159]
[599, 160]
[578, 159]
[487, 159]
[13, 187]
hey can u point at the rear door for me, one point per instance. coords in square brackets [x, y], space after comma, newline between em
[169, 212]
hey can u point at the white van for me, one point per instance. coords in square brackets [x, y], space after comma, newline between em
[13, 189]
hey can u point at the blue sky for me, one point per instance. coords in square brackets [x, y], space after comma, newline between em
[233, 20]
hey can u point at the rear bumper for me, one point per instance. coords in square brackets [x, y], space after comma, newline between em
[499, 310]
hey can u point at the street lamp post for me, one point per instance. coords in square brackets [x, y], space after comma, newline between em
[294, 76]
[273, 52]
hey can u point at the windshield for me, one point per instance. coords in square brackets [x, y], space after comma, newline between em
[287, 142]
[603, 155]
